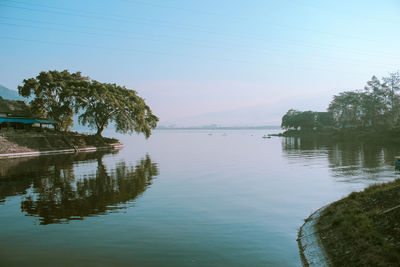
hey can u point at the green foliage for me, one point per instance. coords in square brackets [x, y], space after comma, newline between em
[324, 119]
[393, 84]
[104, 103]
[306, 120]
[97, 105]
[289, 120]
[58, 95]
[359, 231]
[346, 109]
[53, 93]
[377, 106]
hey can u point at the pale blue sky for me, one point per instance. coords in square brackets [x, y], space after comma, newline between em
[251, 59]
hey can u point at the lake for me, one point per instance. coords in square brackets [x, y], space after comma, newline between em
[180, 198]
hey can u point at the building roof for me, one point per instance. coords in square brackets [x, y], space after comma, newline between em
[27, 120]
[15, 108]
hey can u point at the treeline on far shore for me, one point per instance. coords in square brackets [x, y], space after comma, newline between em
[373, 112]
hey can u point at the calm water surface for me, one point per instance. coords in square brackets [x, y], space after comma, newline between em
[181, 198]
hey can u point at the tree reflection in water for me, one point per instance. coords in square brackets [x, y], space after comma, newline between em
[56, 194]
[348, 161]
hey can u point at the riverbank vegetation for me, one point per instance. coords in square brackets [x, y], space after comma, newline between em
[60, 95]
[373, 110]
[363, 229]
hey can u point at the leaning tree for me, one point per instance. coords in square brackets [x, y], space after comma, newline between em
[102, 103]
[58, 95]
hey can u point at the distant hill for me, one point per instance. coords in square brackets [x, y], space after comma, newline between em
[6, 93]
[269, 113]
[216, 127]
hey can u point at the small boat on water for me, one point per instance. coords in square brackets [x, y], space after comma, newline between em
[266, 136]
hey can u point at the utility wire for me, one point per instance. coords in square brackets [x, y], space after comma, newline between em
[181, 39]
[264, 52]
[341, 11]
[187, 10]
[125, 18]
[119, 50]
[145, 21]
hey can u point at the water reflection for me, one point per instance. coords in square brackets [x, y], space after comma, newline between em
[349, 161]
[70, 187]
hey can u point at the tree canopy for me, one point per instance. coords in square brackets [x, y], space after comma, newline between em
[378, 105]
[53, 95]
[59, 95]
[306, 120]
[103, 103]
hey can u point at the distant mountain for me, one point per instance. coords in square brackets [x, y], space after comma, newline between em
[6, 93]
[241, 117]
[250, 116]
[216, 127]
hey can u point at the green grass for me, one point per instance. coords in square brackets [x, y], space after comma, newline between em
[355, 232]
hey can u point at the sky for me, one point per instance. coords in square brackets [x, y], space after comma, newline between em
[226, 62]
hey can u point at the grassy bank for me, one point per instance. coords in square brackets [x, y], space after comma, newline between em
[363, 229]
[17, 142]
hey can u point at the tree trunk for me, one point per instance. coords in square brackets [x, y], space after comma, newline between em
[99, 130]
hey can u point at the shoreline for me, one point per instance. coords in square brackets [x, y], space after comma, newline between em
[31, 144]
[115, 146]
[347, 135]
[360, 229]
[312, 252]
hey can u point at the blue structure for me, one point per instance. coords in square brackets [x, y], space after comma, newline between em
[17, 115]
[27, 120]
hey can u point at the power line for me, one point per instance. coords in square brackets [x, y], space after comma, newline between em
[145, 21]
[98, 16]
[176, 40]
[187, 10]
[190, 42]
[343, 10]
[119, 49]
[324, 46]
